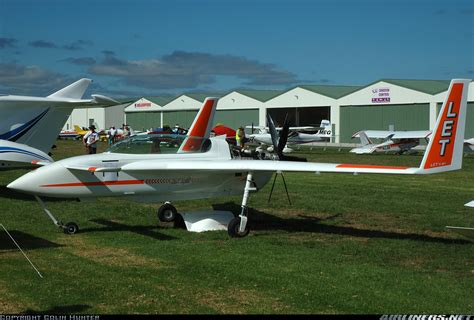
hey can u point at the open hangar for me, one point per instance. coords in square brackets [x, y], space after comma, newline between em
[384, 104]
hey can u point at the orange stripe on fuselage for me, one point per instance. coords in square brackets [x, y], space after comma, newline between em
[95, 183]
[369, 166]
[435, 157]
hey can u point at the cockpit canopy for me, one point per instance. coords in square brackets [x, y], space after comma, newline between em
[161, 144]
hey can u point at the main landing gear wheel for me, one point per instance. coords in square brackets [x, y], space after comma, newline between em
[233, 229]
[71, 228]
[167, 213]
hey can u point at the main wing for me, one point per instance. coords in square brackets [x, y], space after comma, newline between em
[263, 165]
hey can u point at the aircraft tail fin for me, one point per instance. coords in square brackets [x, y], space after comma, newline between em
[77, 128]
[200, 130]
[73, 91]
[202, 124]
[364, 139]
[445, 149]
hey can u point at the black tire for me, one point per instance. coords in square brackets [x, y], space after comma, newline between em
[71, 228]
[167, 213]
[233, 229]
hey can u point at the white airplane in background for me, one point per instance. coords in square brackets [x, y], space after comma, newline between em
[469, 143]
[205, 167]
[323, 133]
[395, 141]
[30, 125]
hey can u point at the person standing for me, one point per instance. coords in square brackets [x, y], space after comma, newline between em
[240, 137]
[112, 133]
[90, 140]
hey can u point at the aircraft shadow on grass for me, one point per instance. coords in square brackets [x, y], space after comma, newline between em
[25, 240]
[74, 308]
[111, 226]
[260, 220]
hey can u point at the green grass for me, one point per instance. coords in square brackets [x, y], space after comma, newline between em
[348, 244]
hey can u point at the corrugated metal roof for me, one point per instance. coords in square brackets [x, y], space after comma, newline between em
[202, 96]
[426, 86]
[334, 92]
[161, 101]
[261, 95]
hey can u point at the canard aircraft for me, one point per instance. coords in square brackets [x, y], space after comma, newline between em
[202, 167]
[30, 125]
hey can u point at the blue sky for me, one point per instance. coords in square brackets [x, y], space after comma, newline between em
[133, 48]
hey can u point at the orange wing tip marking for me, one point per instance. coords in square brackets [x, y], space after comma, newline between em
[95, 183]
[92, 169]
[369, 166]
[34, 162]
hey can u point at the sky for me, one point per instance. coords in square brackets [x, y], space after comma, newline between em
[133, 48]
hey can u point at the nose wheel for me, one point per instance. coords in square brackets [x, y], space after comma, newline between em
[71, 228]
[68, 228]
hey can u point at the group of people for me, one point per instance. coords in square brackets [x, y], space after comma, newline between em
[91, 138]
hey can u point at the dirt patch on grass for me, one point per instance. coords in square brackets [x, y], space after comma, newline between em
[8, 302]
[111, 256]
[240, 301]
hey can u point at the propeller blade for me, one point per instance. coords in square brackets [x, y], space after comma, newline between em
[273, 132]
[283, 136]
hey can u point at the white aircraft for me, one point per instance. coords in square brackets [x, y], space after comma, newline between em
[206, 168]
[394, 141]
[469, 143]
[323, 133]
[30, 125]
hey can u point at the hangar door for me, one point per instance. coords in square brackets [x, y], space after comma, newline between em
[182, 118]
[301, 116]
[236, 118]
[380, 117]
[143, 120]
[469, 132]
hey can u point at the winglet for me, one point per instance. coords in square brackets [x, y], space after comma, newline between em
[73, 91]
[445, 149]
[201, 127]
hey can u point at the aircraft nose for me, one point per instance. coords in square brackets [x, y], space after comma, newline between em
[22, 184]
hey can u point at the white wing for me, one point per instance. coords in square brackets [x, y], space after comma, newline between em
[263, 165]
[382, 134]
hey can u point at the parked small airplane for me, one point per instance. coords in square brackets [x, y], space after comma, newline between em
[30, 125]
[221, 130]
[323, 133]
[469, 143]
[203, 167]
[394, 141]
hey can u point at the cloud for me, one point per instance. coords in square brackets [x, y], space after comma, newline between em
[42, 44]
[7, 43]
[30, 80]
[83, 61]
[182, 69]
[78, 45]
[108, 52]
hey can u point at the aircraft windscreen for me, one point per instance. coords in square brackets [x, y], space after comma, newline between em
[161, 144]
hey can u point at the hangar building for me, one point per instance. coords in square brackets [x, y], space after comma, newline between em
[383, 104]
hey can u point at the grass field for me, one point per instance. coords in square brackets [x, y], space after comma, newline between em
[348, 244]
